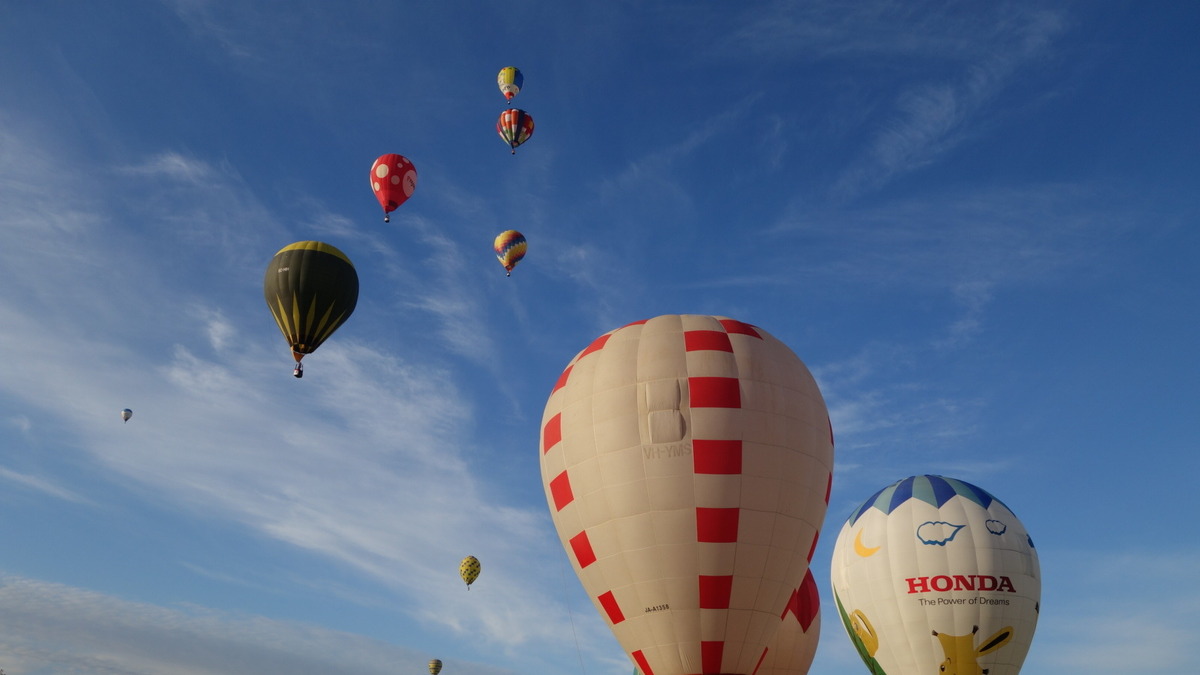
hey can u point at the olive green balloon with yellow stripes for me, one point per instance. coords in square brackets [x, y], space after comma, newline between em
[311, 288]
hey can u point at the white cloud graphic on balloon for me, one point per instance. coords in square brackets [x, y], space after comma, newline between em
[937, 533]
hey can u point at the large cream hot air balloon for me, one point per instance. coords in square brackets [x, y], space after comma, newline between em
[687, 463]
[934, 575]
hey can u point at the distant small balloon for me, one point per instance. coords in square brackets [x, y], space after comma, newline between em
[510, 80]
[515, 126]
[510, 247]
[435, 666]
[468, 569]
[126, 414]
[393, 180]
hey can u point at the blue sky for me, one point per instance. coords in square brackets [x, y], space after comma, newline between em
[975, 222]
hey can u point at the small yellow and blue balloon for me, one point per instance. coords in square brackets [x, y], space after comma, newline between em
[468, 569]
[510, 247]
[515, 126]
[435, 666]
[510, 80]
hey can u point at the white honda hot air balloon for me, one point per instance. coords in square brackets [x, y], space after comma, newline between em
[935, 575]
[687, 463]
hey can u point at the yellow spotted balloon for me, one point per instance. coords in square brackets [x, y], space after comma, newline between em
[468, 569]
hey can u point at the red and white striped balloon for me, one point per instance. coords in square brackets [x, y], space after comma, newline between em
[687, 462]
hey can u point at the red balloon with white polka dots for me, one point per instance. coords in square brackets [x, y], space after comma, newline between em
[687, 462]
[393, 180]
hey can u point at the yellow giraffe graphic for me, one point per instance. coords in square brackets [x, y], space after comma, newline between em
[962, 655]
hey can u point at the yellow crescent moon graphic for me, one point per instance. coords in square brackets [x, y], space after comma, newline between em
[863, 550]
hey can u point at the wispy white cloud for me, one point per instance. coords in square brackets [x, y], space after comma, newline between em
[932, 118]
[41, 485]
[966, 246]
[199, 206]
[653, 177]
[50, 628]
[175, 166]
[887, 29]
[21, 423]
[460, 316]
[237, 29]
[943, 64]
[1137, 627]
[832, 30]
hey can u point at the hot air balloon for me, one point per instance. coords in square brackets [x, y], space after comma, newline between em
[795, 645]
[469, 569]
[393, 180]
[126, 414]
[510, 248]
[311, 288]
[934, 573]
[515, 127]
[687, 462]
[510, 80]
[435, 666]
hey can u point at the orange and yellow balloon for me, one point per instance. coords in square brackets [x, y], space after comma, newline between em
[510, 247]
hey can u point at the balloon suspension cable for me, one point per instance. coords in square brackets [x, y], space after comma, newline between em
[571, 616]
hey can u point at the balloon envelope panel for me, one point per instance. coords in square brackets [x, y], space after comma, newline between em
[687, 461]
[792, 650]
[934, 572]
